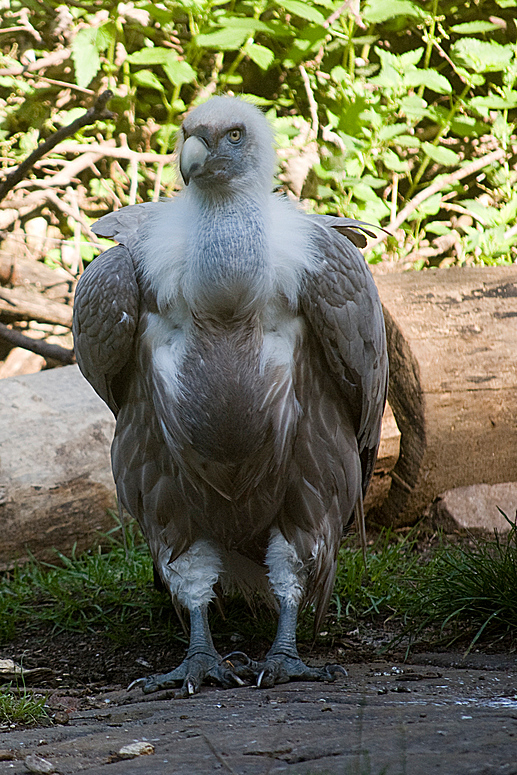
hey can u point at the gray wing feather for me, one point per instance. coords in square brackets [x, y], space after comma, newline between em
[106, 310]
[349, 227]
[342, 305]
[123, 224]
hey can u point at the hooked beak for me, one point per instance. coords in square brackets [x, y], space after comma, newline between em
[192, 157]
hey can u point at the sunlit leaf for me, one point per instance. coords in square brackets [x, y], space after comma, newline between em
[179, 72]
[440, 155]
[225, 39]
[393, 162]
[85, 56]
[303, 10]
[376, 11]
[428, 78]
[148, 79]
[151, 56]
[481, 56]
[495, 102]
[470, 28]
[262, 56]
[413, 107]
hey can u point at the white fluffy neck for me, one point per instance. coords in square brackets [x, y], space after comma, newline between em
[238, 251]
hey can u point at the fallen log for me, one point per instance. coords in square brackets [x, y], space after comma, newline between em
[452, 337]
[23, 304]
[453, 390]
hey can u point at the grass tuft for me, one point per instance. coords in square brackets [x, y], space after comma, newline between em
[470, 588]
[21, 707]
[448, 591]
[110, 591]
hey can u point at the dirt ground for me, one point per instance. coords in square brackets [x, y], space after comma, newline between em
[436, 712]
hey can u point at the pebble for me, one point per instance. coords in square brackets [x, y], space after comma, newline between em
[136, 749]
[39, 765]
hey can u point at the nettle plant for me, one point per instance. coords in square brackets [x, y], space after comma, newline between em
[401, 113]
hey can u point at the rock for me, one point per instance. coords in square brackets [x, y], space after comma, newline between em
[6, 755]
[55, 477]
[39, 765]
[136, 749]
[475, 507]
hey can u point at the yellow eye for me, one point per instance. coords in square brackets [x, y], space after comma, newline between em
[234, 135]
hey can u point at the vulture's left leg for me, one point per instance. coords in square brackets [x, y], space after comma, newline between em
[287, 578]
[191, 579]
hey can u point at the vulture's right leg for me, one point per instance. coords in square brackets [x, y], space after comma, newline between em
[190, 580]
[282, 663]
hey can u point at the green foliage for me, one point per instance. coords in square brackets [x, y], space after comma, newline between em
[450, 591]
[405, 92]
[21, 706]
[106, 592]
[470, 589]
[456, 591]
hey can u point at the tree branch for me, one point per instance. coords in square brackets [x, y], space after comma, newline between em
[97, 111]
[434, 188]
[38, 346]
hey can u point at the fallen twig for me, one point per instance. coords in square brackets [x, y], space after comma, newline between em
[54, 58]
[38, 346]
[108, 150]
[97, 111]
[18, 304]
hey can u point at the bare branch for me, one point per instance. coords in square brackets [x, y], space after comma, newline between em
[94, 113]
[19, 304]
[54, 58]
[434, 188]
[105, 149]
[313, 106]
[38, 346]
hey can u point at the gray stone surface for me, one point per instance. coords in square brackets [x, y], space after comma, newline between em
[55, 478]
[383, 718]
[475, 507]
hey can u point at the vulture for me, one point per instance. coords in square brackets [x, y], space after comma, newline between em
[240, 344]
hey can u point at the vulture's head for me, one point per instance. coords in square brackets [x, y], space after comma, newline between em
[226, 146]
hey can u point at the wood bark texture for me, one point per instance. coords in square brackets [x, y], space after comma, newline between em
[453, 390]
[452, 338]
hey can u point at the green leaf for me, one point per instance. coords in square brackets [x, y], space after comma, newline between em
[392, 161]
[339, 74]
[86, 46]
[85, 56]
[179, 72]
[151, 56]
[413, 107]
[377, 11]
[161, 15]
[470, 28]
[303, 10]
[430, 206]
[387, 132]
[244, 23]
[428, 78]
[467, 126]
[225, 39]
[438, 227]
[495, 102]
[408, 141]
[440, 155]
[481, 56]
[262, 56]
[148, 79]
